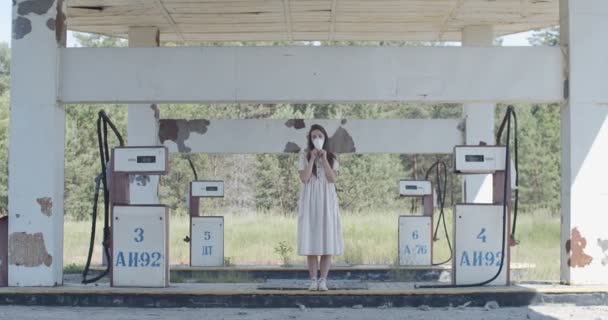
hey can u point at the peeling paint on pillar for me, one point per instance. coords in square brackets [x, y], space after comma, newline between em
[28, 250]
[154, 108]
[575, 247]
[462, 126]
[50, 23]
[295, 123]
[38, 7]
[46, 205]
[141, 180]
[179, 131]
[603, 244]
[292, 147]
[21, 27]
[342, 142]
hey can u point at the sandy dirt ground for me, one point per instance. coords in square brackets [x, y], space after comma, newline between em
[534, 312]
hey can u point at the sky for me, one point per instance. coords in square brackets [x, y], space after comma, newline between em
[518, 39]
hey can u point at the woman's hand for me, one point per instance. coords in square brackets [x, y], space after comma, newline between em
[323, 154]
[314, 154]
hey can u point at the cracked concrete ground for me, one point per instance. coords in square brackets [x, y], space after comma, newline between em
[553, 311]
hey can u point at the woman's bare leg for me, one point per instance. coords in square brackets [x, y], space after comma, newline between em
[313, 266]
[325, 264]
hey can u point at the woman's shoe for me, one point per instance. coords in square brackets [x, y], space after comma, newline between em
[322, 284]
[314, 285]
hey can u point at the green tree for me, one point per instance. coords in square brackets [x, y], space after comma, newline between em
[98, 41]
[5, 67]
[4, 119]
[545, 37]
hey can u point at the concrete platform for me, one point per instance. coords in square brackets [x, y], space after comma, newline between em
[248, 295]
[365, 272]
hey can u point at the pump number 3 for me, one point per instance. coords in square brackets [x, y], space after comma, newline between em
[139, 235]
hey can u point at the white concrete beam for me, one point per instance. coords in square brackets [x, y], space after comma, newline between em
[584, 245]
[284, 136]
[36, 146]
[311, 74]
[479, 121]
[142, 124]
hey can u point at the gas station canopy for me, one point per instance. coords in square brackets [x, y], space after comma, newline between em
[192, 21]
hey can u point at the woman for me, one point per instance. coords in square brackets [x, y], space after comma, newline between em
[319, 228]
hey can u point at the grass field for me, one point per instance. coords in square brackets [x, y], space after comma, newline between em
[369, 238]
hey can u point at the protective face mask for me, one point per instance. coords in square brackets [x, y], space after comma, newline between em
[318, 143]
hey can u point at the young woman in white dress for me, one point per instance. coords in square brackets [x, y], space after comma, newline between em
[319, 228]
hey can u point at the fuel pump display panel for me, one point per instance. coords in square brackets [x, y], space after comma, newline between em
[148, 160]
[415, 188]
[207, 189]
[479, 159]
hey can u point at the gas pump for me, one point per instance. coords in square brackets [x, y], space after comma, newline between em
[140, 233]
[415, 231]
[482, 252]
[206, 232]
[135, 237]
[481, 247]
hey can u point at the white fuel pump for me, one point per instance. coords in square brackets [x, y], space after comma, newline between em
[206, 232]
[135, 237]
[481, 244]
[140, 233]
[415, 231]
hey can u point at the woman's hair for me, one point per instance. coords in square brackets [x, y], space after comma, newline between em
[330, 155]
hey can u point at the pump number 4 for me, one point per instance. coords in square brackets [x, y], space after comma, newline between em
[482, 235]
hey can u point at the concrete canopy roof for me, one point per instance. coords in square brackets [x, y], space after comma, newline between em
[191, 21]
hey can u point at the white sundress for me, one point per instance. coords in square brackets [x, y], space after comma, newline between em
[319, 226]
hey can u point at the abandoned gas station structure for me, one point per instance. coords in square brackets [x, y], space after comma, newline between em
[46, 76]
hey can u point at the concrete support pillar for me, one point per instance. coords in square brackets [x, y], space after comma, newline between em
[36, 139]
[143, 124]
[479, 122]
[584, 202]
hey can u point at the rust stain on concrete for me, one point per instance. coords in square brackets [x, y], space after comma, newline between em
[60, 26]
[46, 205]
[28, 250]
[575, 247]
